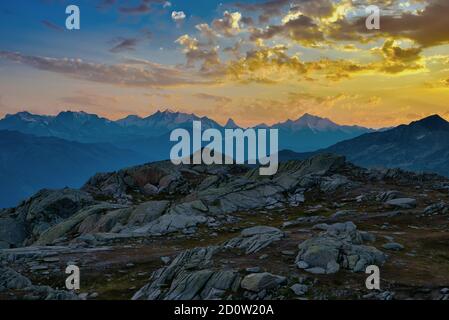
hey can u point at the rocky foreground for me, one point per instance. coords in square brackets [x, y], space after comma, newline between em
[161, 231]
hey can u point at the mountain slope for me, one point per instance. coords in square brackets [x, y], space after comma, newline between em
[29, 163]
[309, 133]
[420, 146]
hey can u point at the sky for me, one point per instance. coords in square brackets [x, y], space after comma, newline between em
[255, 61]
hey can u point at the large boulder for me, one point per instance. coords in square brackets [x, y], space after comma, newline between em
[340, 246]
[257, 282]
[203, 284]
[175, 280]
[39, 213]
[402, 203]
[147, 212]
[169, 223]
[389, 195]
[72, 224]
[254, 239]
[335, 182]
[437, 208]
[148, 180]
[11, 282]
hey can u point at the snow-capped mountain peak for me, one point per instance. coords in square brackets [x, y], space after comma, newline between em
[230, 124]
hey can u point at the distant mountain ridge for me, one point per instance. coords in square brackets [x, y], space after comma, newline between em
[307, 133]
[422, 145]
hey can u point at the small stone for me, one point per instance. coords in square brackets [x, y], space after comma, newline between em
[51, 260]
[263, 257]
[302, 265]
[83, 296]
[39, 268]
[394, 246]
[253, 270]
[166, 260]
[299, 289]
[288, 253]
[316, 270]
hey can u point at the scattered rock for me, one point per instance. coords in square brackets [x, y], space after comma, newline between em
[10, 281]
[257, 282]
[340, 246]
[254, 239]
[299, 289]
[166, 260]
[403, 203]
[393, 246]
[180, 278]
[253, 270]
[437, 208]
[389, 195]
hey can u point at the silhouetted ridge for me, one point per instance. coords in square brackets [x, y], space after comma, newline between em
[434, 122]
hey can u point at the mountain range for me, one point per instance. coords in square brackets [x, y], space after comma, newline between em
[419, 146]
[308, 133]
[42, 151]
[39, 151]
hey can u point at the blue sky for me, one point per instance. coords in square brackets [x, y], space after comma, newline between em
[27, 26]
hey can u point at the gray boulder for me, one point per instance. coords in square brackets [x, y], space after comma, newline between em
[393, 246]
[147, 212]
[169, 223]
[403, 203]
[203, 284]
[299, 289]
[257, 282]
[12, 281]
[389, 195]
[335, 182]
[340, 246]
[437, 208]
[254, 239]
[73, 223]
[169, 281]
[47, 208]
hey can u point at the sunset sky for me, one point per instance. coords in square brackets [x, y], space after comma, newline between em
[254, 61]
